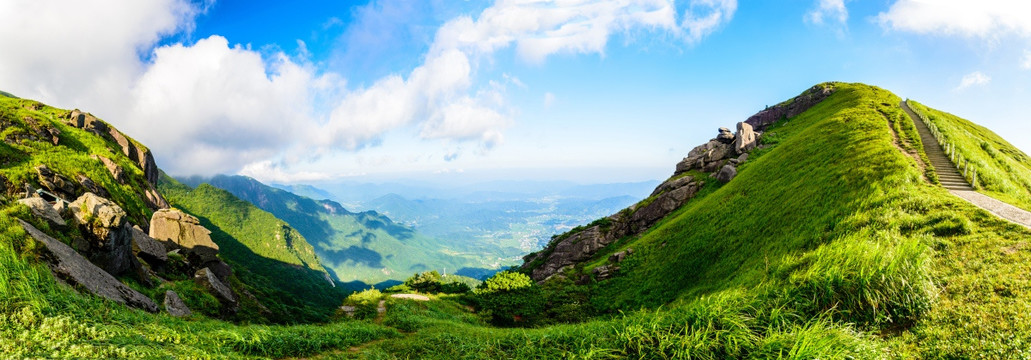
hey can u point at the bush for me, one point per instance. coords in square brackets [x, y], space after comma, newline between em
[504, 281]
[365, 303]
[425, 282]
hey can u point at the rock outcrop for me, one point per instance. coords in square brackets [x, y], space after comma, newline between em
[56, 183]
[41, 208]
[147, 248]
[67, 265]
[175, 306]
[790, 108]
[108, 233]
[116, 171]
[719, 157]
[207, 279]
[180, 230]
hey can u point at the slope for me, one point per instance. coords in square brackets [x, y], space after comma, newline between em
[364, 247]
[272, 260]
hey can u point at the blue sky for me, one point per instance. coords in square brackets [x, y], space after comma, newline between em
[591, 91]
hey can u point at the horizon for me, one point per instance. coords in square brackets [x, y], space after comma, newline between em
[386, 90]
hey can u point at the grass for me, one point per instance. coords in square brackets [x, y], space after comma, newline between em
[831, 242]
[1003, 171]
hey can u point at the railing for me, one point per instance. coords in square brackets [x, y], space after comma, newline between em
[949, 147]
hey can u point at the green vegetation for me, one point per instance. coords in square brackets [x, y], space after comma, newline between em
[361, 249]
[364, 303]
[272, 260]
[1003, 171]
[831, 242]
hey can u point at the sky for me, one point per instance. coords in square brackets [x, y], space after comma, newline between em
[588, 91]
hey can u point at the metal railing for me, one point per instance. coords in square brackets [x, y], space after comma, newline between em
[969, 173]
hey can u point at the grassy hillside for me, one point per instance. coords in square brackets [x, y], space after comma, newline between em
[364, 247]
[830, 243]
[272, 259]
[1003, 171]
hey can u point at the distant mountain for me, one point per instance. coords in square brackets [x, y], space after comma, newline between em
[360, 247]
[307, 191]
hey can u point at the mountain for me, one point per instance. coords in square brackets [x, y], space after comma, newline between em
[364, 247]
[833, 238]
[110, 231]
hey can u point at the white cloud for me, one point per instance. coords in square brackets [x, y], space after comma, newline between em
[828, 11]
[549, 99]
[440, 92]
[268, 171]
[70, 52]
[976, 78]
[211, 108]
[1026, 62]
[983, 18]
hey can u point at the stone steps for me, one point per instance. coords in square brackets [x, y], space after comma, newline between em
[948, 175]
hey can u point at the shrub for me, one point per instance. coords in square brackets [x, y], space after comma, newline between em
[504, 281]
[365, 303]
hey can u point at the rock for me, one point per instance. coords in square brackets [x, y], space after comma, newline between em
[55, 183]
[154, 199]
[745, 140]
[725, 136]
[61, 208]
[713, 166]
[620, 256]
[147, 248]
[703, 148]
[220, 269]
[718, 152]
[141, 156]
[175, 306]
[726, 173]
[107, 231]
[179, 229]
[672, 184]
[4, 184]
[42, 209]
[86, 122]
[689, 163]
[91, 186]
[71, 267]
[790, 108]
[116, 171]
[207, 279]
[604, 272]
[741, 159]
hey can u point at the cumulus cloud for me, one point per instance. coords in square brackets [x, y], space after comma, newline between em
[440, 91]
[984, 18]
[69, 52]
[828, 11]
[211, 107]
[976, 78]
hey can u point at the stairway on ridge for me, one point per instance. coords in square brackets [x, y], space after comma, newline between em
[948, 175]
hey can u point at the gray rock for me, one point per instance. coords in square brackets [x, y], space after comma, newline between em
[746, 139]
[154, 199]
[672, 184]
[718, 152]
[109, 234]
[42, 209]
[178, 229]
[726, 173]
[175, 306]
[71, 267]
[116, 171]
[92, 187]
[204, 277]
[147, 248]
[56, 183]
[86, 121]
[741, 159]
[725, 136]
[604, 272]
[790, 108]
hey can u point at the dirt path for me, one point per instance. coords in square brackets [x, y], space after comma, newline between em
[956, 184]
[415, 297]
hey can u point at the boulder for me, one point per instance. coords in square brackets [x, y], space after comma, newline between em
[107, 231]
[790, 108]
[718, 152]
[725, 136]
[726, 173]
[207, 279]
[672, 184]
[178, 229]
[69, 266]
[148, 249]
[154, 199]
[175, 306]
[86, 121]
[741, 159]
[604, 272]
[91, 186]
[44, 210]
[116, 171]
[620, 256]
[703, 148]
[745, 140]
[713, 166]
[141, 156]
[56, 183]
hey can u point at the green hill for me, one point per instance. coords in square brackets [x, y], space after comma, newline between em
[365, 247]
[272, 259]
[832, 241]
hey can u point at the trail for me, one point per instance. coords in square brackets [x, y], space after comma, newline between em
[952, 180]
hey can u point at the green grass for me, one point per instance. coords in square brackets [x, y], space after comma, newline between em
[830, 243]
[271, 259]
[1003, 171]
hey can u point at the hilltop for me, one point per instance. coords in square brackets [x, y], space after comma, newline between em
[832, 238]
